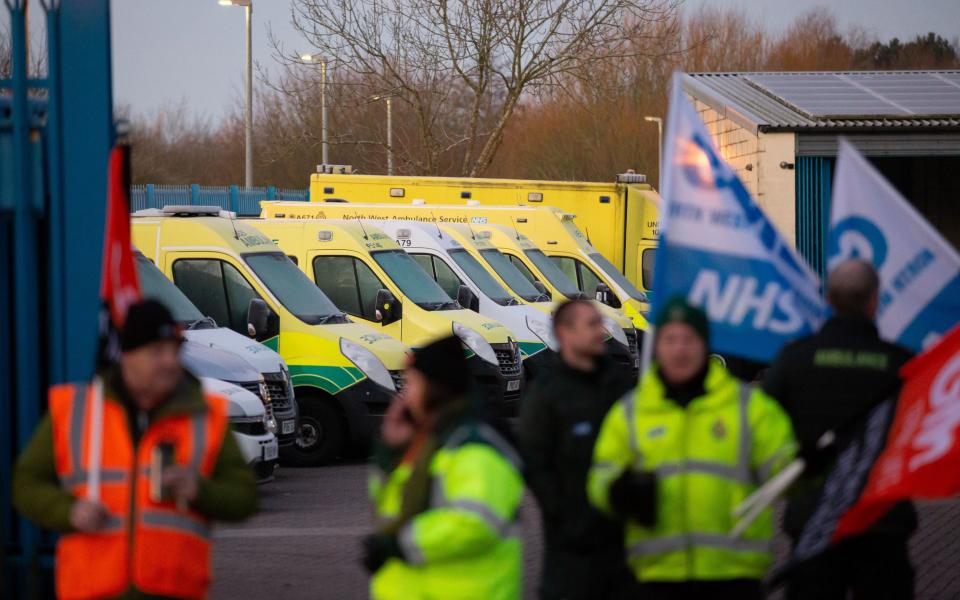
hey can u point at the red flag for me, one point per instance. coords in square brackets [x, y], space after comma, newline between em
[921, 459]
[119, 287]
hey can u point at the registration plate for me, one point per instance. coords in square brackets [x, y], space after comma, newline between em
[270, 452]
[288, 427]
[513, 386]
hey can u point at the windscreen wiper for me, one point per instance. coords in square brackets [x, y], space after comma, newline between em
[196, 324]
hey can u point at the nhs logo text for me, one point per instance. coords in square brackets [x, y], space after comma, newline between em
[741, 300]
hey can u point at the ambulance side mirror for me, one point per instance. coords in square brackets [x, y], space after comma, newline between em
[467, 299]
[262, 322]
[386, 306]
[604, 295]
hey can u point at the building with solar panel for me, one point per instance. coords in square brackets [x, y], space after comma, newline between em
[780, 131]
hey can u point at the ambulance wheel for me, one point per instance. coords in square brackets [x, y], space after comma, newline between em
[320, 436]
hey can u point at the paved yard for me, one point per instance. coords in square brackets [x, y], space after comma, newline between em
[305, 542]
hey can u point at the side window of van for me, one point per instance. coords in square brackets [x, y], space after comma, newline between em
[579, 273]
[522, 267]
[217, 288]
[349, 283]
[202, 281]
[569, 268]
[239, 294]
[337, 278]
[441, 273]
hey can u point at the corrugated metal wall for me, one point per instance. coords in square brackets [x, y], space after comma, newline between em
[814, 181]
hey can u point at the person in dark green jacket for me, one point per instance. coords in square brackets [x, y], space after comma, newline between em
[149, 374]
[559, 421]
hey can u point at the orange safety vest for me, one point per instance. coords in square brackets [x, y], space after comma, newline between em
[152, 546]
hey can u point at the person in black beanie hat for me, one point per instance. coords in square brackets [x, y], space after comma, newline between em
[158, 426]
[446, 490]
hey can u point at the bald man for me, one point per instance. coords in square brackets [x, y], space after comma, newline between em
[825, 382]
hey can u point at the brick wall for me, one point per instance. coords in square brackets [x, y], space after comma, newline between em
[756, 159]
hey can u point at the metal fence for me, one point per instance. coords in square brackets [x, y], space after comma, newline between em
[243, 201]
[814, 181]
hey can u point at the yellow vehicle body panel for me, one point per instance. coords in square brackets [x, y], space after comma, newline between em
[300, 238]
[621, 219]
[312, 352]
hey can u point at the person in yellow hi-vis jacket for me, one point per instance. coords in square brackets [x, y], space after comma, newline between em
[446, 490]
[677, 454]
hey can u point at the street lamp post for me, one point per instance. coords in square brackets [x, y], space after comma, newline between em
[388, 98]
[659, 123]
[308, 58]
[248, 111]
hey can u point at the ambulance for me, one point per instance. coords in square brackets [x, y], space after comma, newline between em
[367, 275]
[540, 271]
[441, 253]
[273, 384]
[620, 218]
[552, 229]
[343, 373]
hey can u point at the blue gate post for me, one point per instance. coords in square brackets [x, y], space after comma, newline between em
[194, 194]
[234, 199]
[271, 193]
[26, 267]
[151, 190]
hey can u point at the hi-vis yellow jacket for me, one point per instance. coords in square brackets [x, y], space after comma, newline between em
[708, 458]
[466, 544]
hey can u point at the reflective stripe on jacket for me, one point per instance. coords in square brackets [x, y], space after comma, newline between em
[708, 458]
[151, 546]
[466, 544]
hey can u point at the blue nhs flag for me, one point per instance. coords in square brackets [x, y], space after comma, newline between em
[719, 250]
[919, 271]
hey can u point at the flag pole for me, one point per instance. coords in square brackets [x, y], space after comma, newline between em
[95, 451]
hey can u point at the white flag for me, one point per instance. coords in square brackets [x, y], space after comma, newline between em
[919, 270]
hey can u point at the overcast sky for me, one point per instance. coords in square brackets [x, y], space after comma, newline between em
[173, 51]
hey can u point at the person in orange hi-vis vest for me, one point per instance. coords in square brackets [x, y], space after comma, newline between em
[136, 522]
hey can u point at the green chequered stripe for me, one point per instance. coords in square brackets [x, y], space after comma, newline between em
[528, 349]
[272, 343]
[330, 379]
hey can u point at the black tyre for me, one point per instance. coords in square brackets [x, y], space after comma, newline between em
[320, 436]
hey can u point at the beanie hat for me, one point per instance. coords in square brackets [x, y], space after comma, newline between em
[678, 310]
[443, 362]
[147, 322]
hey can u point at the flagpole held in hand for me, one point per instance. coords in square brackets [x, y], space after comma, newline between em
[95, 451]
[757, 502]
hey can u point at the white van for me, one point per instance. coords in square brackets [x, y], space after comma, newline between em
[250, 425]
[463, 277]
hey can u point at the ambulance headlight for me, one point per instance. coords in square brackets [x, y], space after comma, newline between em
[475, 342]
[615, 331]
[544, 331]
[367, 362]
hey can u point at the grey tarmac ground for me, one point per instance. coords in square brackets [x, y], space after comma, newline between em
[304, 544]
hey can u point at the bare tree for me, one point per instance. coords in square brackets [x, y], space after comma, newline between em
[462, 67]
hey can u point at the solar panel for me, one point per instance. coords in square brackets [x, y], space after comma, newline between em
[866, 94]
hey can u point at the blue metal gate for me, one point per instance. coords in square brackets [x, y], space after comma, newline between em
[814, 182]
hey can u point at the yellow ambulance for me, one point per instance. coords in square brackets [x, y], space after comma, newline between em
[621, 218]
[552, 229]
[343, 373]
[369, 276]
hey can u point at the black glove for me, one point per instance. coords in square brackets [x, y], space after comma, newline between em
[634, 495]
[378, 548]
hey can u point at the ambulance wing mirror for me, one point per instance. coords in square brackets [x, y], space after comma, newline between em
[467, 298]
[387, 307]
[262, 322]
[603, 294]
[542, 289]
